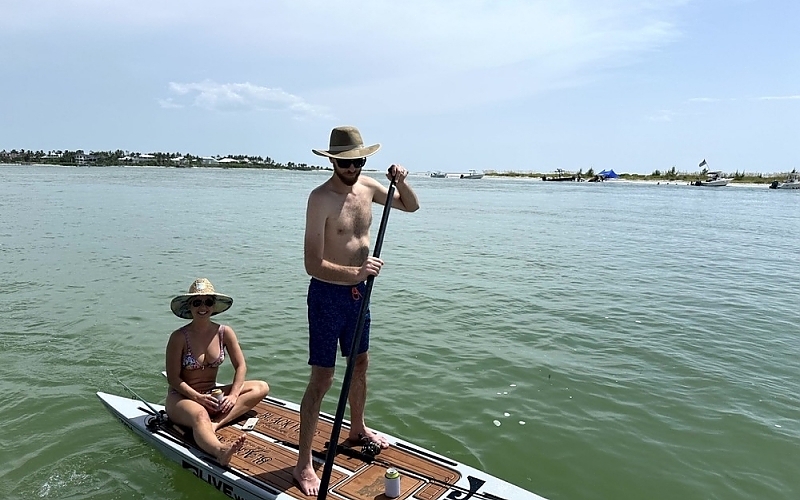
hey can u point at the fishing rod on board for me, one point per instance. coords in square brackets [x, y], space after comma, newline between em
[351, 361]
[160, 416]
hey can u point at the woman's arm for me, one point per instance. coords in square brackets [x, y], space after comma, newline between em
[237, 360]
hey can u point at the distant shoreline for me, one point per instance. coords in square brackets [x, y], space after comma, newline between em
[613, 181]
[680, 178]
[684, 180]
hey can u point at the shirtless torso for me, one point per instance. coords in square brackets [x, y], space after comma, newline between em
[338, 220]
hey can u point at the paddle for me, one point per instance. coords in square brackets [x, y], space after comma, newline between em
[333, 444]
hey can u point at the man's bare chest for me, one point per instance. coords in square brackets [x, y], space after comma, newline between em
[352, 218]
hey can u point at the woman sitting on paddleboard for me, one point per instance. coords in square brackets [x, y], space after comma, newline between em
[194, 354]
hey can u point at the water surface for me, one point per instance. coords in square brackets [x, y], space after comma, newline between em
[632, 341]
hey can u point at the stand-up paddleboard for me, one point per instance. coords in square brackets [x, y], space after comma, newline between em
[262, 468]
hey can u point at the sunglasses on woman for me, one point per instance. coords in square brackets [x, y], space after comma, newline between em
[356, 162]
[207, 302]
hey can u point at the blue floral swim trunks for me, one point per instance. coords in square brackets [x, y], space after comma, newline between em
[333, 312]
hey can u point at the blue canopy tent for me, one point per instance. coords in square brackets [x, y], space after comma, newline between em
[608, 174]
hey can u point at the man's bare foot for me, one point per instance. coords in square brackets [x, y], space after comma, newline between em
[306, 479]
[227, 453]
[370, 435]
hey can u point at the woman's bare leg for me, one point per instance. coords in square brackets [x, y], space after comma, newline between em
[186, 412]
[253, 391]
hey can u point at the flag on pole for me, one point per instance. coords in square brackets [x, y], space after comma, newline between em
[703, 163]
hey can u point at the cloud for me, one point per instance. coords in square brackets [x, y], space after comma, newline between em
[169, 103]
[765, 98]
[778, 98]
[246, 96]
[358, 57]
[385, 39]
[662, 115]
[432, 57]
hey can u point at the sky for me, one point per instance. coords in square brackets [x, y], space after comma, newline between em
[450, 85]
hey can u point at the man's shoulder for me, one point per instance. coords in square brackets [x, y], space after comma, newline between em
[323, 189]
[368, 181]
[366, 186]
[322, 196]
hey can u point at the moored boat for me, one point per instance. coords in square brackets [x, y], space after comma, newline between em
[713, 179]
[792, 182]
[561, 175]
[472, 174]
[438, 175]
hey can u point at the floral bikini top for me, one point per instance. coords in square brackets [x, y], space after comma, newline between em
[190, 362]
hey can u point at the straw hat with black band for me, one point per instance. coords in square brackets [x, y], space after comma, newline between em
[200, 287]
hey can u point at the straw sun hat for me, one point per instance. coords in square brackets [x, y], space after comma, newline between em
[346, 143]
[200, 287]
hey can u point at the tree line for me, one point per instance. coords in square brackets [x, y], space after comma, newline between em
[159, 159]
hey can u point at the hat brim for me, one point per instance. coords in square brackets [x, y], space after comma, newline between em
[180, 304]
[361, 152]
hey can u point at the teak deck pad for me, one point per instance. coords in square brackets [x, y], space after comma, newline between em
[262, 468]
[271, 462]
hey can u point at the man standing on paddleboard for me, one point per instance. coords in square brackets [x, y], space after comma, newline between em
[337, 257]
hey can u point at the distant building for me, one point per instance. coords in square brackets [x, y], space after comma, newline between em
[144, 158]
[85, 159]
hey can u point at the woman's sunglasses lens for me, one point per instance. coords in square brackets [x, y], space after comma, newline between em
[208, 302]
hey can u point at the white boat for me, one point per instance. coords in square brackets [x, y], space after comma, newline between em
[262, 468]
[792, 182]
[472, 174]
[438, 175]
[713, 179]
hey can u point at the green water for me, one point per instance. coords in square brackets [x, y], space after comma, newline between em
[632, 341]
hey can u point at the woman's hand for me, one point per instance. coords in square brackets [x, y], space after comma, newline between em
[209, 402]
[227, 403]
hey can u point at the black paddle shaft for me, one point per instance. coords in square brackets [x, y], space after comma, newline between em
[333, 444]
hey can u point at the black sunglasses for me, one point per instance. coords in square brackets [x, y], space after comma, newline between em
[207, 302]
[345, 163]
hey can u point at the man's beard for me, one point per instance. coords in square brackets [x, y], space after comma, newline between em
[347, 180]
